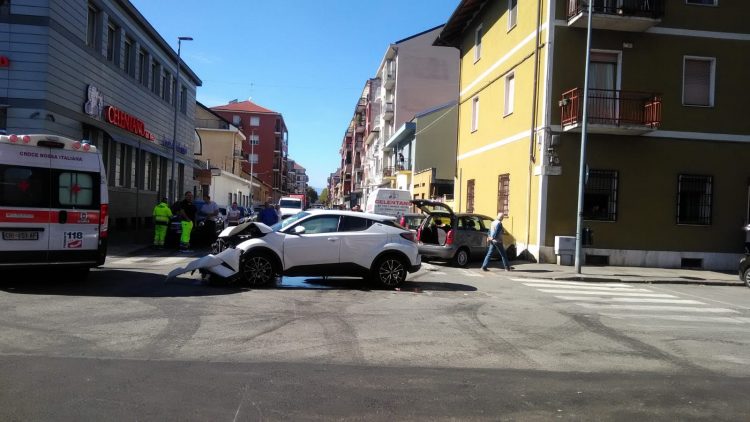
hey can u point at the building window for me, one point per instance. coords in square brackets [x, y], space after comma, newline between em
[127, 60]
[4, 7]
[253, 158]
[183, 100]
[478, 44]
[600, 195]
[155, 74]
[142, 68]
[165, 86]
[236, 120]
[474, 114]
[113, 43]
[503, 193]
[3, 119]
[698, 81]
[91, 30]
[510, 92]
[694, 199]
[254, 121]
[512, 13]
[254, 139]
[470, 195]
[703, 2]
[121, 165]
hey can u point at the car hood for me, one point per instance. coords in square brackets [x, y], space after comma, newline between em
[432, 207]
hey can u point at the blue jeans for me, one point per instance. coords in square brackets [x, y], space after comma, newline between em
[500, 249]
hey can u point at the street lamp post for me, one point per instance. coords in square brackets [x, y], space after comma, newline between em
[584, 134]
[252, 160]
[172, 182]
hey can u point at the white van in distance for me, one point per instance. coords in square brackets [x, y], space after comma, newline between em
[54, 204]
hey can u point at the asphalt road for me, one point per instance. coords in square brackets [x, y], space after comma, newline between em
[451, 344]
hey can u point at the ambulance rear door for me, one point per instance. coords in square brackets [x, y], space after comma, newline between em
[24, 205]
[75, 210]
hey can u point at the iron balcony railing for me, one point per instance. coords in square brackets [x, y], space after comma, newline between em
[642, 8]
[211, 124]
[612, 108]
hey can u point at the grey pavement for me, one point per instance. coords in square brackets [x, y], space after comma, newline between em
[137, 242]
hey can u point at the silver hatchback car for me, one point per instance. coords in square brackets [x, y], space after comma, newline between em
[457, 238]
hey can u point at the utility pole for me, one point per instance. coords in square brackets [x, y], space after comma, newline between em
[584, 133]
[172, 182]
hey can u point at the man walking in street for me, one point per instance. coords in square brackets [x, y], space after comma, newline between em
[210, 210]
[186, 210]
[162, 214]
[233, 215]
[495, 241]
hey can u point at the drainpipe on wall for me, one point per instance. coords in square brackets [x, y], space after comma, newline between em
[532, 130]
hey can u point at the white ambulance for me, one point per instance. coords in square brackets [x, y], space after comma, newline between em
[54, 203]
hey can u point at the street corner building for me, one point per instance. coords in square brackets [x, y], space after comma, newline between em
[666, 181]
[97, 70]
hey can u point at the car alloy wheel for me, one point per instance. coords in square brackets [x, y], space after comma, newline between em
[461, 259]
[746, 277]
[257, 270]
[390, 271]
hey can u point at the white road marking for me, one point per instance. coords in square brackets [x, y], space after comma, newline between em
[656, 308]
[702, 298]
[587, 292]
[631, 300]
[594, 288]
[569, 283]
[687, 318]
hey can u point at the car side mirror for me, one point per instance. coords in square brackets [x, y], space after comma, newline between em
[299, 230]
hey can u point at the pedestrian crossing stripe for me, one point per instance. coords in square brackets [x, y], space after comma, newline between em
[608, 289]
[685, 318]
[568, 283]
[631, 299]
[604, 306]
[588, 292]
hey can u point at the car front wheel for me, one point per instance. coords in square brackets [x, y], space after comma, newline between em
[390, 271]
[258, 270]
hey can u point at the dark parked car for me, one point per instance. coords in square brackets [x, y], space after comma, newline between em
[745, 269]
[449, 236]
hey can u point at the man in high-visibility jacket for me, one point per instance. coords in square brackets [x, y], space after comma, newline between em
[162, 214]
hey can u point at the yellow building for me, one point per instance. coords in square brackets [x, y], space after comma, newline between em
[667, 182]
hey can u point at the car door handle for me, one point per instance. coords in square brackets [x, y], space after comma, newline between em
[333, 239]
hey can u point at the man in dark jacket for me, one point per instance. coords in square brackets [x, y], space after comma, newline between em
[186, 210]
[268, 216]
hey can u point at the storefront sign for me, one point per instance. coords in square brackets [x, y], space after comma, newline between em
[4, 61]
[122, 119]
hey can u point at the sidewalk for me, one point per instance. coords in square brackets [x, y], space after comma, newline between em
[134, 243]
[624, 274]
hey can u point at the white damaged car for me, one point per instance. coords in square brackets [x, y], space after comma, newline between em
[313, 243]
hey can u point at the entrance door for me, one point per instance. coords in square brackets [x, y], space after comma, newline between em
[603, 93]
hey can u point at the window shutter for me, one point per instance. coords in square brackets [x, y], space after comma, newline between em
[697, 82]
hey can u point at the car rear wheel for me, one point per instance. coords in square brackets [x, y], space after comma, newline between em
[461, 258]
[258, 270]
[746, 277]
[389, 271]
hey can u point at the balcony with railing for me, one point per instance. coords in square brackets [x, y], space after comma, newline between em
[388, 110]
[612, 111]
[389, 74]
[616, 15]
[361, 105]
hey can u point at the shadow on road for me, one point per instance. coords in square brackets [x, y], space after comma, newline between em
[105, 283]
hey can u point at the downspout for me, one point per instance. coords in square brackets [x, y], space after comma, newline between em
[532, 130]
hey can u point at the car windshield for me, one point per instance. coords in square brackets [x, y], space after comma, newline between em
[289, 221]
[290, 203]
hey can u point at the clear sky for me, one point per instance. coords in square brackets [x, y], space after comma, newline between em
[306, 59]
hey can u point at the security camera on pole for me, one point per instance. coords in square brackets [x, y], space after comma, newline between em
[172, 182]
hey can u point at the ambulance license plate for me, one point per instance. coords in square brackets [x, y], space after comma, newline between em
[20, 235]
